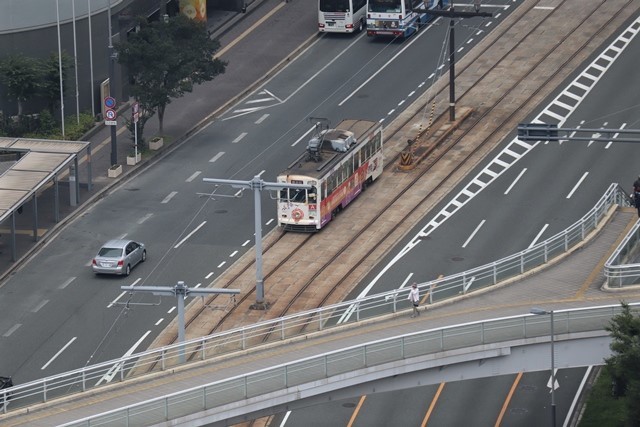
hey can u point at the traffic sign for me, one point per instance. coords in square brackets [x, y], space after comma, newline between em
[135, 109]
[109, 102]
[110, 117]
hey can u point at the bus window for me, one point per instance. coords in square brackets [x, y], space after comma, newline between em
[334, 5]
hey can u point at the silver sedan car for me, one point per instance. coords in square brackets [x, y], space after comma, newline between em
[119, 257]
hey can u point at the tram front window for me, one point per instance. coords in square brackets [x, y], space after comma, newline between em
[293, 195]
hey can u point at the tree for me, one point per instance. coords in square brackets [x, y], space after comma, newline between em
[50, 87]
[22, 76]
[165, 60]
[624, 364]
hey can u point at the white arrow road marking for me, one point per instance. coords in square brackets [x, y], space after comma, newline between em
[114, 370]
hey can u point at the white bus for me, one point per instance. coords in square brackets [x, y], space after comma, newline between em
[341, 16]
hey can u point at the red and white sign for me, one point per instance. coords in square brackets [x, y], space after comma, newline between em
[135, 110]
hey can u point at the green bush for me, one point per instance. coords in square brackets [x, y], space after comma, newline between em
[602, 409]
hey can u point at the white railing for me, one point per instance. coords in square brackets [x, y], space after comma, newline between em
[138, 364]
[618, 271]
[305, 371]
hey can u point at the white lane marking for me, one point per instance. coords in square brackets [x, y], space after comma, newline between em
[39, 306]
[222, 263]
[535, 240]
[194, 176]
[577, 185]
[256, 101]
[239, 138]
[68, 281]
[111, 373]
[146, 217]
[234, 253]
[577, 396]
[556, 384]
[189, 235]
[402, 285]
[261, 172]
[269, 222]
[197, 286]
[262, 119]
[303, 136]
[216, 157]
[12, 330]
[123, 293]
[58, 353]
[385, 65]
[246, 243]
[284, 420]
[515, 181]
[159, 321]
[208, 275]
[171, 310]
[474, 233]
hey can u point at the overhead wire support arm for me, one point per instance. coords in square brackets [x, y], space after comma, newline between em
[181, 291]
[531, 132]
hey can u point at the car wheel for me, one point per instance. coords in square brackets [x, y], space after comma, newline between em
[144, 256]
[127, 270]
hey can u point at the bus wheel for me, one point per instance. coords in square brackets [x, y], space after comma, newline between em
[360, 26]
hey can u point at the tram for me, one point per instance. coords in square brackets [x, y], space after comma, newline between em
[338, 164]
[399, 18]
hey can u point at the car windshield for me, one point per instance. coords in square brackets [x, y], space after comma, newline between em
[110, 252]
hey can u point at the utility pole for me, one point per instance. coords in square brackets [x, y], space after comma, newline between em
[181, 291]
[451, 13]
[257, 185]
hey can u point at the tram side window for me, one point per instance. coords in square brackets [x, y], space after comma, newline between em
[312, 195]
[284, 194]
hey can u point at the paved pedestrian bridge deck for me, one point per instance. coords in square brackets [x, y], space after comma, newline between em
[572, 280]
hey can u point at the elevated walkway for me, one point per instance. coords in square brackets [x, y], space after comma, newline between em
[575, 282]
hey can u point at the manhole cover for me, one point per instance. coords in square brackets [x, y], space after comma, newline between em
[518, 411]
[220, 211]
[528, 387]
[349, 405]
[457, 258]
[133, 189]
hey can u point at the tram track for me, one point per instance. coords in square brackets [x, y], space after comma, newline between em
[292, 245]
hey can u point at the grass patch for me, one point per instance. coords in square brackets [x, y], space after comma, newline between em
[602, 409]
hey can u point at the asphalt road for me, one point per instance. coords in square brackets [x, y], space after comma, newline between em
[65, 318]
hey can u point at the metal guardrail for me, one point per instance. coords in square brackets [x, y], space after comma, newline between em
[616, 269]
[321, 367]
[138, 364]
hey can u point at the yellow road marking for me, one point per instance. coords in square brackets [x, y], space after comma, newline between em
[433, 405]
[355, 412]
[424, 298]
[508, 399]
[249, 30]
[41, 231]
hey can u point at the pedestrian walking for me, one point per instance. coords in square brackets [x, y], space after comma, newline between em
[414, 297]
[636, 194]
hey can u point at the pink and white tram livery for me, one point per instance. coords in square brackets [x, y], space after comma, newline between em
[338, 164]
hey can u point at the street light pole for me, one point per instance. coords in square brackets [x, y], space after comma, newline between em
[540, 311]
[114, 144]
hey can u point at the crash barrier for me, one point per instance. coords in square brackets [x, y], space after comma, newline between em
[619, 269]
[286, 381]
[306, 322]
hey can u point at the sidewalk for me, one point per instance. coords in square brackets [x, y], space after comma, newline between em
[290, 26]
